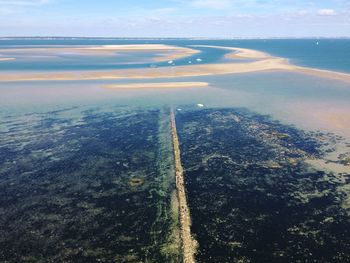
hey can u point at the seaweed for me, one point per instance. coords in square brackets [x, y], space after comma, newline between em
[87, 185]
[252, 197]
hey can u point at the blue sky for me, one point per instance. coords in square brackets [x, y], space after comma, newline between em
[175, 18]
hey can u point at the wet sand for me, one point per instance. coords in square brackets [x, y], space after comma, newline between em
[161, 85]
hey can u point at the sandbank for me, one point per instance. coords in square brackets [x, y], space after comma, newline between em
[240, 52]
[171, 52]
[323, 73]
[132, 47]
[161, 52]
[158, 85]
[6, 59]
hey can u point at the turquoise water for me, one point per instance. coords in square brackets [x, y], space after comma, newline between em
[331, 54]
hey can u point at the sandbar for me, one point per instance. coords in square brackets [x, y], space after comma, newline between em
[161, 52]
[168, 52]
[158, 85]
[240, 52]
[7, 59]
[139, 47]
[323, 73]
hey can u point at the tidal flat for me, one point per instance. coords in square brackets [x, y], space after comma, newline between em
[87, 185]
[252, 196]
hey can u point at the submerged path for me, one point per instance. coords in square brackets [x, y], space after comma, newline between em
[189, 244]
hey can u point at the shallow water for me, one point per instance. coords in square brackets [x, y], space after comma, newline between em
[309, 102]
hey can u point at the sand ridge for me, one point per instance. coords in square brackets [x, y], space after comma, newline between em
[164, 52]
[323, 73]
[7, 59]
[157, 85]
[167, 52]
[240, 52]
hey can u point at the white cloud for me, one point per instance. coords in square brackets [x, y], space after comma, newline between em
[8, 7]
[212, 4]
[326, 12]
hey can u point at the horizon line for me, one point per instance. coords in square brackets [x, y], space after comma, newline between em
[159, 38]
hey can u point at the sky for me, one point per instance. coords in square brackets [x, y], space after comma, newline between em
[175, 18]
